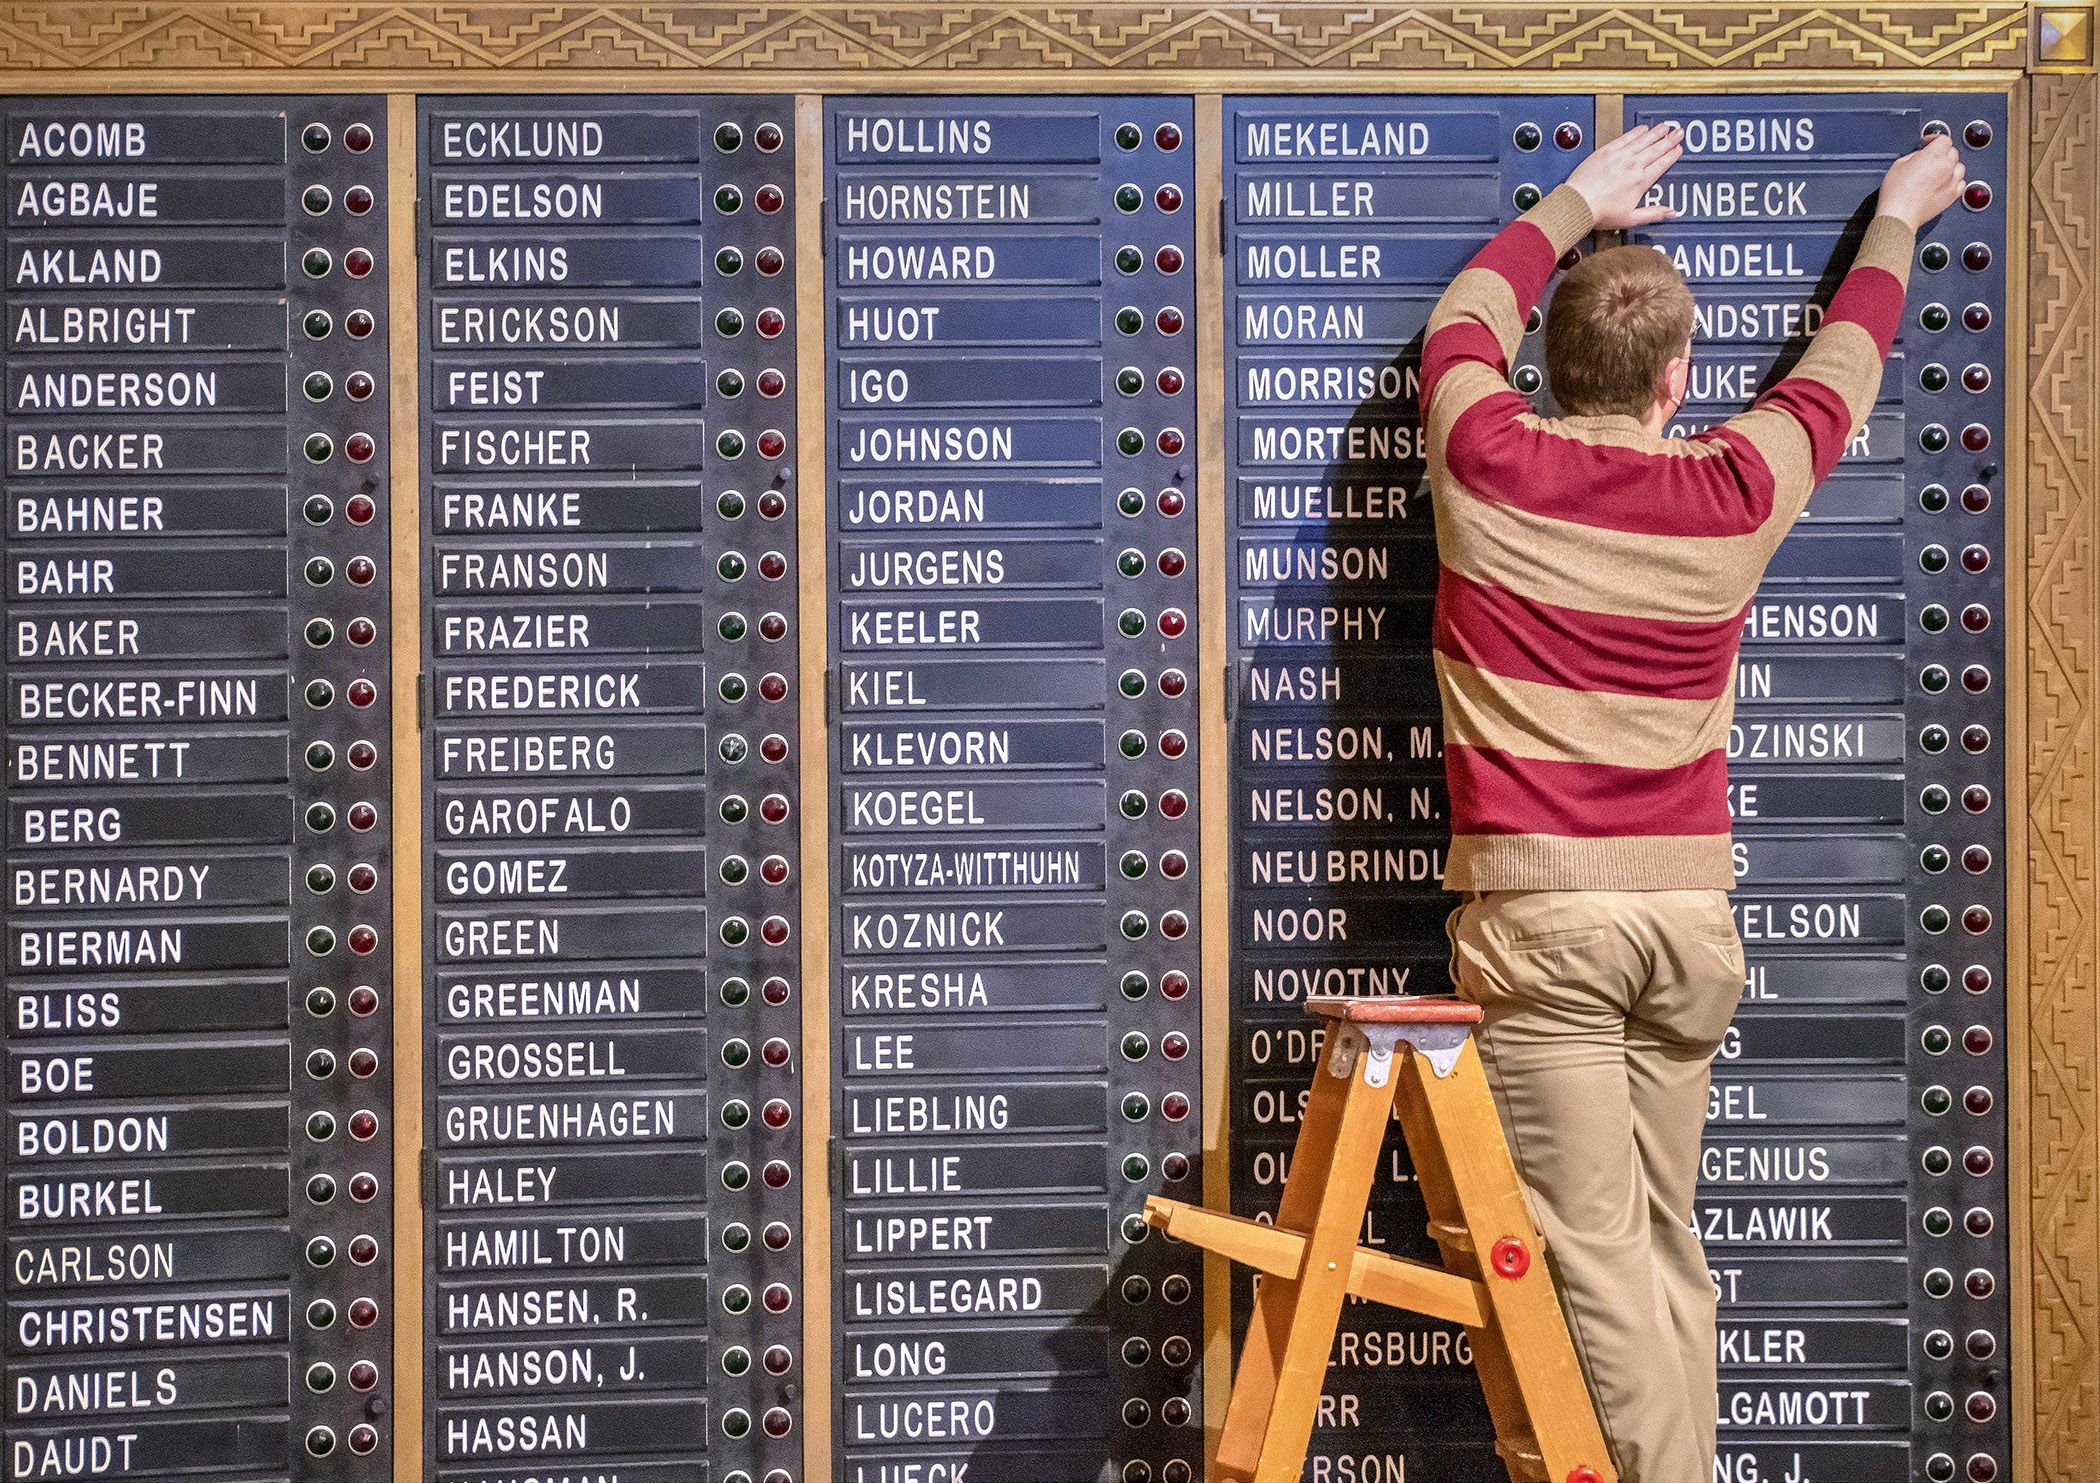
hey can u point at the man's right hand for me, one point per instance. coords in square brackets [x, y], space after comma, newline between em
[1924, 182]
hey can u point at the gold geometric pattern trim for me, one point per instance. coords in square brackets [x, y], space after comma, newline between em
[1066, 40]
[2062, 1054]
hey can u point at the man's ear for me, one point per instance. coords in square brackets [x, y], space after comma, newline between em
[1677, 375]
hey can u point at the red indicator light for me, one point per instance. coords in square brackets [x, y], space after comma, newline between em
[364, 1375]
[1976, 859]
[774, 809]
[772, 628]
[1169, 381]
[774, 930]
[1976, 1101]
[1976, 920]
[770, 260]
[1174, 1106]
[1975, 437]
[361, 631]
[773, 687]
[1976, 1040]
[778, 1299]
[1172, 744]
[363, 1187]
[1167, 137]
[1174, 1045]
[364, 999]
[779, 1359]
[359, 447]
[1171, 502]
[363, 1313]
[1169, 321]
[357, 138]
[772, 505]
[1568, 136]
[770, 383]
[1975, 617]
[1173, 865]
[363, 692]
[363, 1125]
[1174, 925]
[1976, 679]
[1170, 441]
[771, 444]
[1975, 559]
[1569, 259]
[363, 755]
[1977, 196]
[1976, 798]
[1172, 623]
[775, 991]
[362, 816]
[359, 323]
[1172, 683]
[362, 942]
[1980, 1344]
[363, 878]
[1976, 257]
[1977, 318]
[771, 322]
[363, 1439]
[769, 199]
[1167, 260]
[1171, 563]
[357, 262]
[777, 1238]
[774, 870]
[1167, 198]
[777, 1114]
[774, 749]
[777, 1422]
[767, 137]
[1977, 1161]
[772, 566]
[777, 1175]
[775, 1052]
[1976, 979]
[360, 509]
[1174, 984]
[364, 1062]
[361, 570]
[357, 200]
[1173, 803]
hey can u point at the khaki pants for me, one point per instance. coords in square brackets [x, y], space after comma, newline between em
[1603, 1012]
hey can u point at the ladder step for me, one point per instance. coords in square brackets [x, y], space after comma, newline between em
[1451, 1233]
[1525, 1462]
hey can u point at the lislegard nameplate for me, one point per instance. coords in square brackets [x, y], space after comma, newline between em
[498, 1245]
[194, 1190]
[72, 883]
[965, 1293]
[574, 1303]
[559, 1177]
[256, 1381]
[101, 1263]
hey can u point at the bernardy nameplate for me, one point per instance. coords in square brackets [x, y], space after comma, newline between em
[1053, 1228]
[1026, 1049]
[568, 1055]
[573, 753]
[557, 813]
[559, 1177]
[221, 1254]
[1014, 745]
[974, 685]
[578, 933]
[975, 1292]
[225, 1190]
[1020, 504]
[557, 1241]
[583, 508]
[1002, 1169]
[573, 1303]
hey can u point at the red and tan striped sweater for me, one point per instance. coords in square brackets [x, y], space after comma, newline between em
[1594, 579]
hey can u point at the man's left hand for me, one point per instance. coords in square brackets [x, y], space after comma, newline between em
[1615, 178]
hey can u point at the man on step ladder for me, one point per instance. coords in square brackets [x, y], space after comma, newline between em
[1589, 608]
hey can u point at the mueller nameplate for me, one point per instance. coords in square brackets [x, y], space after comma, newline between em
[610, 863]
[199, 1044]
[1010, 387]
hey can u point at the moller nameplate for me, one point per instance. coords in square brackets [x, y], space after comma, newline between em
[199, 990]
[1010, 394]
[609, 598]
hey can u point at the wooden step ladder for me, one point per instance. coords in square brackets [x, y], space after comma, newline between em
[1418, 1054]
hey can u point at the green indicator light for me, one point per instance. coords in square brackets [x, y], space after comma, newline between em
[736, 1422]
[319, 447]
[1933, 378]
[320, 757]
[320, 1440]
[317, 509]
[731, 566]
[1933, 439]
[1526, 197]
[320, 942]
[1130, 442]
[1131, 562]
[730, 444]
[1132, 744]
[1129, 136]
[1936, 1100]
[736, 1298]
[731, 504]
[1937, 1222]
[316, 262]
[1933, 318]
[1938, 1345]
[732, 626]
[1130, 381]
[1135, 1167]
[1933, 738]
[1528, 137]
[1933, 619]
[734, 870]
[314, 137]
[1934, 919]
[319, 693]
[320, 817]
[315, 199]
[735, 1113]
[1936, 1040]
[735, 1175]
[730, 383]
[732, 688]
[1131, 622]
[1135, 984]
[736, 1054]
[1932, 498]
[321, 1127]
[736, 992]
[319, 631]
[1937, 1160]
[1135, 1046]
[317, 324]
[318, 385]
[1137, 1107]
[1135, 1229]
[1132, 683]
[1939, 1406]
[320, 879]
[1129, 321]
[1932, 257]
[1132, 804]
[1134, 925]
[736, 1236]
[735, 931]
[734, 748]
[1934, 858]
[1938, 1283]
[1129, 259]
[727, 137]
[1527, 379]
[729, 322]
[736, 1359]
[1933, 678]
[1129, 198]
[1935, 979]
[728, 199]
[320, 1002]
[320, 1251]
[734, 809]
[1133, 864]
[1131, 502]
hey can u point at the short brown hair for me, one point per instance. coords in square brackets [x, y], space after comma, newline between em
[1618, 317]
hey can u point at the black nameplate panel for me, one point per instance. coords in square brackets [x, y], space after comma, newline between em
[611, 865]
[199, 1042]
[1010, 387]
[1856, 1107]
